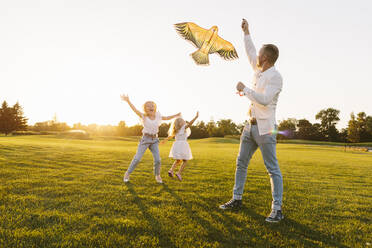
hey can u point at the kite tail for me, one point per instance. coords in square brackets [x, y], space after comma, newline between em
[200, 57]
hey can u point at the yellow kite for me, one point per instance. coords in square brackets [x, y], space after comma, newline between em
[207, 41]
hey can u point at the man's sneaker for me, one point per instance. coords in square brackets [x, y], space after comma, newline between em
[275, 216]
[232, 204]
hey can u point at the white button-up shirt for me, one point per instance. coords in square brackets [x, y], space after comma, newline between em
[264, 92]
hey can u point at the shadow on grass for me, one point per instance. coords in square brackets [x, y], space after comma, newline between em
[156, 226]
[293, 230]
[289, 228]
[213, 233]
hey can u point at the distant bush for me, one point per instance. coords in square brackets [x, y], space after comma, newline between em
[18, 133]
[74, 134]
[48, 133]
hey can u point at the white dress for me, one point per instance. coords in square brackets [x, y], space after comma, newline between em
[180, 148]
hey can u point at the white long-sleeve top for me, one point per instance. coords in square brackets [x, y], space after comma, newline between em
[264, 92]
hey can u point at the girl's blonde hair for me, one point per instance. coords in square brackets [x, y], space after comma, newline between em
[175, 127]
[144, 106]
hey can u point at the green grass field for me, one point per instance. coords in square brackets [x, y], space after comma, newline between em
[69, 193]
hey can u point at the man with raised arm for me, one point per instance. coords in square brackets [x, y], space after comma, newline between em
[260, 131]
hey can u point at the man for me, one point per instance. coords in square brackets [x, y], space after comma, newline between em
[260, 130]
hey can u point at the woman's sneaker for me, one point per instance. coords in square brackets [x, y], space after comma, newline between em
[275, 216]
[232, 204]
[126, 178]
[158, 179]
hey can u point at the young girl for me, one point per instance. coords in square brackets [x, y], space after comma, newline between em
[151, 120]
[180, 150]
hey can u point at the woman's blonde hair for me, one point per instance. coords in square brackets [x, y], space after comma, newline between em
[144, 106]
[175, 127]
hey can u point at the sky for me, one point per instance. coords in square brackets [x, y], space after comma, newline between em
[74, 58]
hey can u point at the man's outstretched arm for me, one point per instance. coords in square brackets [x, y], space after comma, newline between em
[249, 46]
[265, 98]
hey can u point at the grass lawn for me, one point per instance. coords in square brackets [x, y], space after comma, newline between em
[296, 141]
[69, 193]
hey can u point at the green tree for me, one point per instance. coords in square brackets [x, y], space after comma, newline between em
[317, 132]
[106, 130]
[11, 118]
[227, 127]
[287, 128]
[135, 130]
[78, 126]
[121, 129]
[59, 126]
[353, 132]
[163, 130]
[6, 119]
[343, 134]
[364, 133]
[54, 126]
[308, 131]
[369, 127]
[360, 128]
[328, 120]
[212, 129]
[199, 131]
[19, 119]
[305, 130]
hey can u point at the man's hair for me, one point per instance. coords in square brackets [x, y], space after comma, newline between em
[272, 52]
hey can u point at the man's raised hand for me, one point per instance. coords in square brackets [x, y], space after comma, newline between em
[240, 86]
[245, 27]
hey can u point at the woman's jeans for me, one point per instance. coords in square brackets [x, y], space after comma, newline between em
[153, 145]
[249, 142]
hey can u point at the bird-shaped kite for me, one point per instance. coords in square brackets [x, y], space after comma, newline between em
[207, 41]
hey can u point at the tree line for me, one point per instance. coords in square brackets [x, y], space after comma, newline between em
[359, 127]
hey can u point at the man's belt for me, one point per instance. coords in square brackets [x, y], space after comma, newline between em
[253, 121]
[153, 136]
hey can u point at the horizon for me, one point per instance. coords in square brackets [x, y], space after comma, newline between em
[55, 118]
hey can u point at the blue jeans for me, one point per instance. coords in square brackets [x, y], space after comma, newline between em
[153, 145]
[250, 140]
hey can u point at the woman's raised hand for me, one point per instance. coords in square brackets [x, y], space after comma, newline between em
[124, 97]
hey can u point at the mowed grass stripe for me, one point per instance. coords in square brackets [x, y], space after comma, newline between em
[69, 193]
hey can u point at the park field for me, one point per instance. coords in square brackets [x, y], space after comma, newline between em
[58, 192]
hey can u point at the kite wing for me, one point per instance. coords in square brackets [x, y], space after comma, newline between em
[224, 48]
[192, 32]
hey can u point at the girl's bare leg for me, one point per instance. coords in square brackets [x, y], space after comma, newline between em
[178, 174]
[175, 164]
[182, 167]
[171, 170]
